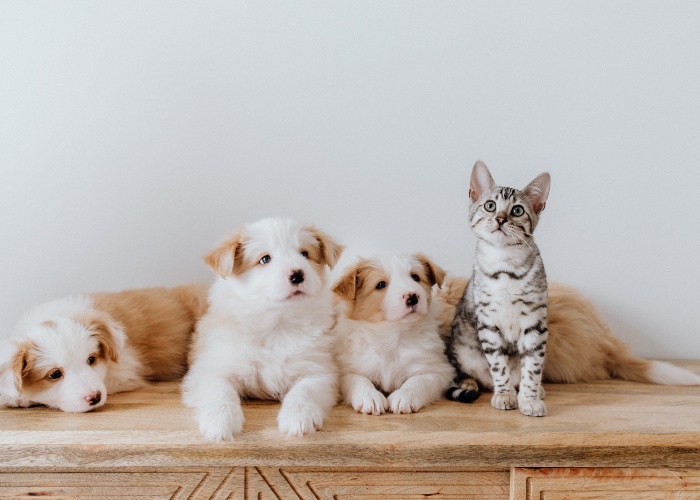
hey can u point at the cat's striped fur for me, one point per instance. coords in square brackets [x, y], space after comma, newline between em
[499, 333]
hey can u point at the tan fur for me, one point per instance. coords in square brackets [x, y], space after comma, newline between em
[328, 251]
[580, 347]
[434, 273]
[22, 363]
[158, 323]
[100, 324]
[227, 258]
[358, 288]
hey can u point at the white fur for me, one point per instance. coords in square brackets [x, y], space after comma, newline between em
[259, 339]
[402, 356]
[665, 373]
[65, 344]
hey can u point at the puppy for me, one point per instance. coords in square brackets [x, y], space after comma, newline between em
[386, 339]
[70, 353]
[580, 347]
[266, 334]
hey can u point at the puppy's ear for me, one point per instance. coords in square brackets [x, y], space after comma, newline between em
[21, 363]
[436, 275]
[329, 248]
[227, 258]
[109, 336]
[346, 287]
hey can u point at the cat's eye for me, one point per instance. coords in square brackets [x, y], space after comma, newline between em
[55, 375]
[380, 285]
[265, 259]
[91, 360]
[305, 254]
[490, 206]
[415, 277]
[517, 211]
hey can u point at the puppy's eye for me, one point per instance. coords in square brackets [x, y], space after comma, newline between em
[517, 211]
[91, 360]
[55, 375]
[380, 285]
[415, 277]
[490, 206]
[265, 260]
[305, 254]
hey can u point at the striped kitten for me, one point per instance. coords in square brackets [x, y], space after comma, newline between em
[499, 331]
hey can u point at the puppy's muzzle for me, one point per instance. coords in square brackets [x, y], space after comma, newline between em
[296, 276]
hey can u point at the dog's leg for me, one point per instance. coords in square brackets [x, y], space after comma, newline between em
[306, 403]
[360, 393]
[418, 391]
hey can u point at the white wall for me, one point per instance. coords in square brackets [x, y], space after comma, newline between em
[134, 135]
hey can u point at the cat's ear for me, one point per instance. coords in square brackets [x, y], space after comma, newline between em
[538, 192]
[481, 181]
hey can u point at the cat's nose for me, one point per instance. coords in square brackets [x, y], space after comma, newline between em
[501, 220]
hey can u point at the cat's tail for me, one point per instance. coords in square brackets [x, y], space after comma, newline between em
[628, 367]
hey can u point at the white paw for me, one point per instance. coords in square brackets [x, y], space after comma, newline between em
[506, 401]
[299, 419]
[532, 407]
[402, 401]
[371, 402]
[220, 423]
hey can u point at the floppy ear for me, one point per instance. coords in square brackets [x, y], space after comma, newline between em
[227, 258]
[108, 335]
[346, 287]
[435, 274]
[21, 363]
[538, 192]
[330, 249]
[481, 181]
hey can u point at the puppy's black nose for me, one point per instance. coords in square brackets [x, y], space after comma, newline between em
[411, 299]
[296, 277]
[93, 399]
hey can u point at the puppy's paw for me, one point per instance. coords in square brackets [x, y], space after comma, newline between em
[220, 423]
[299, 419]
[370, 402]
[403, 401]
[532, 407]
[504, 401]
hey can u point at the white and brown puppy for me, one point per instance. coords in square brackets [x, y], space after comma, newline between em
[70, 353]
[266, 334]
[386, 339]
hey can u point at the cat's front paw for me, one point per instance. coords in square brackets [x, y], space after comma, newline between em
[296, 420]
[504, 401]
[371, 402]
[220, 423]
[532, 407]
[403, 401]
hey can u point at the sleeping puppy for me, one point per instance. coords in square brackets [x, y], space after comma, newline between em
[387, 339]
[71, 353]
[266, 334]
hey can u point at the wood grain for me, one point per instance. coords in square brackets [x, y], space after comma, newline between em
[606, 424]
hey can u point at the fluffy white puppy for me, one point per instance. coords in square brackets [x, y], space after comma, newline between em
[386, 339]
[70, 353]
[266, 334]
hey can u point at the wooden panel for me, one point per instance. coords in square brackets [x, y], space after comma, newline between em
[344, 483]
[604, 483]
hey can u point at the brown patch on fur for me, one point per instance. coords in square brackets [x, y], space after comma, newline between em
[102, 328]
[329, 251]
[228, 257]
[434, 273]
[580, 346]
[358, 289]
[23, 363]
[158, 323]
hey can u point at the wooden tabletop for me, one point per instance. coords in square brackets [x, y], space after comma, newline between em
[605, 424]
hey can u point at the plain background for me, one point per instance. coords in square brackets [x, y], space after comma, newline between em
[134, 135]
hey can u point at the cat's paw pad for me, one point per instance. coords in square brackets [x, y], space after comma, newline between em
[370, 402]
[504, 401]
[221, 423]
[402, 401]
[533, 407]
[298, 420]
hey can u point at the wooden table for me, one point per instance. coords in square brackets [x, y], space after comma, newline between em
[634, 440]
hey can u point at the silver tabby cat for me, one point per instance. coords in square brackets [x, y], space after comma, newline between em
[499, 333]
